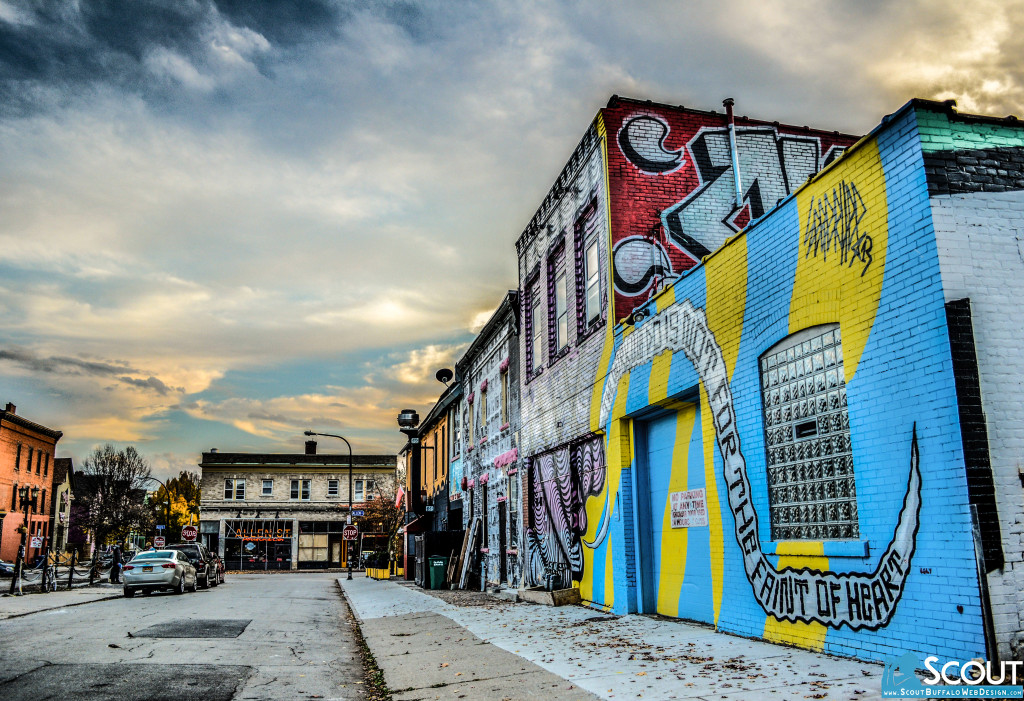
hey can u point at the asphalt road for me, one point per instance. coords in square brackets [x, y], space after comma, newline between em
[282, 636]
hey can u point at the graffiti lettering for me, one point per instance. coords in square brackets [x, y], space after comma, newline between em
[642, 140]
[833, 226]
[858, 600]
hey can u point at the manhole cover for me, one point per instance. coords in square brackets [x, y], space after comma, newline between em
[154, 682]
[196, 628]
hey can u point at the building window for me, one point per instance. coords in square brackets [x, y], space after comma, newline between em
[558, 314]
[470, 422]
[456, 431]
[364, 490]
[534, 327]
[28, 463]
[483, 411]
[300, 489]
[588, 271]
[42, 503]
[268, 488]
[332, 488]
[504, 398]
[17, 459]
[593, 284]
[46, 464]
[811, 490]
[39, 462]
[14, 497]
[234, 489]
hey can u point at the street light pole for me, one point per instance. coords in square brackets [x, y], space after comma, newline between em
[349, 519]
[19, 564]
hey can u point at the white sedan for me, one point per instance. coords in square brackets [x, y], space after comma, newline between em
[159, 569]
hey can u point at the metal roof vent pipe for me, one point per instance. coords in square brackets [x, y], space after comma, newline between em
[737, 180]
[310, 447]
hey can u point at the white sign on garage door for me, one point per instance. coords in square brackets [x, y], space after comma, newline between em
[689, 508]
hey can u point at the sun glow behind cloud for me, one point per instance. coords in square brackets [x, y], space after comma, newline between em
[322, 198]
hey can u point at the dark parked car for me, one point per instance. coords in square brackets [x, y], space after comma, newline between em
[202, 560]
[6, 569]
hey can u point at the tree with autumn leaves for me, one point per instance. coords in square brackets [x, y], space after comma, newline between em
[380, 515]
[176, 503]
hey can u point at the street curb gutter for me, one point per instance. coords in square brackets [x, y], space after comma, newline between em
[55, 608]
[376, 687]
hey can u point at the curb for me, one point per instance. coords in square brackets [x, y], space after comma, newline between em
[65, 606]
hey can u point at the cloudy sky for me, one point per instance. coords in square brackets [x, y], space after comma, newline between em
[225, 222]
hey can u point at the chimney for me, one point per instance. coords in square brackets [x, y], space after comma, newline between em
[310, 447]
[11, 409]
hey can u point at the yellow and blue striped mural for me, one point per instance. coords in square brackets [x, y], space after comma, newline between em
[683, 400]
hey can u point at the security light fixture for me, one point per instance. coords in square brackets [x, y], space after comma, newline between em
[407, 419]
[444, 376]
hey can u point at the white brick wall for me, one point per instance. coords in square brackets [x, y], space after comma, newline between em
[981, 253]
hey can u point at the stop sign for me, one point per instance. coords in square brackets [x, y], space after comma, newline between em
[189, 533]
[350, 532]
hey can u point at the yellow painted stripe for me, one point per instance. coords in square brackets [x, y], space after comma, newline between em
[674, 541]
[657, 386]
[826, 290]
[617, 449]
[715, 528]
[806, 635]
[666, 299]
[609, 333]
[725, 275]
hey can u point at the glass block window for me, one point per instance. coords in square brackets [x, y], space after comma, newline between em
[811, 489]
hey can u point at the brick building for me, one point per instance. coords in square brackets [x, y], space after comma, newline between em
[489, 373]
[26, 460]
[60, 504]
[797, 436]
[283, 510]
[648, 192]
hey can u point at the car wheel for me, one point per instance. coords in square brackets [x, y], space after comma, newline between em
[129, 592]
[216, 578]
[180, 589]
[195, 583]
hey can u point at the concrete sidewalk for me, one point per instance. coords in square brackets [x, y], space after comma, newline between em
[13, 606]
[430, 649]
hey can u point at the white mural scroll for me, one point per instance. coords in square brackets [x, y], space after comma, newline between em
[860, 600]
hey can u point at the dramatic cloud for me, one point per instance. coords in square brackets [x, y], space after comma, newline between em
[226, 222]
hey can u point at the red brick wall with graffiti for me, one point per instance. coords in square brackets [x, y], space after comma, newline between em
[672, 185]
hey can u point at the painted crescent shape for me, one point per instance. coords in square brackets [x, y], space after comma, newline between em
[642, 142]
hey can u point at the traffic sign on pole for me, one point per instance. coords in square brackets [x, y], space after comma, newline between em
[159, 542]
[350, 532]
[189, 533]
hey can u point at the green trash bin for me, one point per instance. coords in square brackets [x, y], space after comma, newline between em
[438, 566]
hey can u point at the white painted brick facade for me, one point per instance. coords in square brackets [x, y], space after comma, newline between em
[980, 238]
